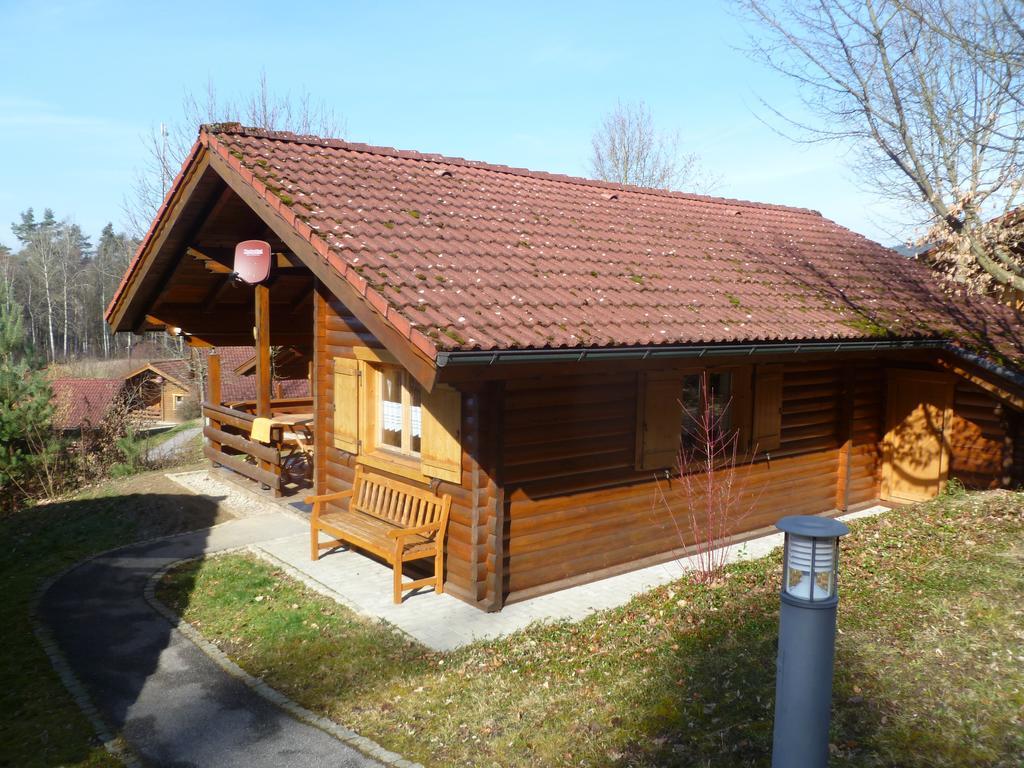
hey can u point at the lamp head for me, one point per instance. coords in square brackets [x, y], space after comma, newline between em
[811, 559]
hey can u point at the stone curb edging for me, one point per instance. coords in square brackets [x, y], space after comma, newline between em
[340, 732]
[115, 745]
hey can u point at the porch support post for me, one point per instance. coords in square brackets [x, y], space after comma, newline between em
[213, 397]
[213, 378]
[263, 384]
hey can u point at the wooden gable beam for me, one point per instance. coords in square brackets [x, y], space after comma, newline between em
[418, 365]
[210, 263]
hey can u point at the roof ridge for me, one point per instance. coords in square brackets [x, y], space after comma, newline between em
[84, 378]
[237, 129]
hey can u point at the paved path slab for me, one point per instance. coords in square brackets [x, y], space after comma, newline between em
[443, 622]
[168, 699]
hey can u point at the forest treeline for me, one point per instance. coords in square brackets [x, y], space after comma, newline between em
[60, 283]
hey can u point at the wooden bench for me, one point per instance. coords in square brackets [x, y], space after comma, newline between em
[388, 518]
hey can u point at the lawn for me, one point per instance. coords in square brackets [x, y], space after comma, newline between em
[929, 671]
[41, 726]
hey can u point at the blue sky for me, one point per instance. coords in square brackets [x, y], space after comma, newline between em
[522, 84]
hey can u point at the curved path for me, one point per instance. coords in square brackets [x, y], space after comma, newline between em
[170, 701]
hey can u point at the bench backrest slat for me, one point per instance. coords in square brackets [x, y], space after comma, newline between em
[395, 502]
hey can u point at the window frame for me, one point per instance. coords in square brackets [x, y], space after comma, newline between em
[406, 383]
[740, 411]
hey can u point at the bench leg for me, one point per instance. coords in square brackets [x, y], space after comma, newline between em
[396, 569]
[439, 569]
[314, 543]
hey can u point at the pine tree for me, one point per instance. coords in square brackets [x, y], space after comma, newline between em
[27, 445]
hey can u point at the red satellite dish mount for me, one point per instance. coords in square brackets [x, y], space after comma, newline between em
[252, 261]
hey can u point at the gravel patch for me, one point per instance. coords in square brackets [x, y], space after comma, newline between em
[233, 499]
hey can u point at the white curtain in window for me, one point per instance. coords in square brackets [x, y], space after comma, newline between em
[415, 420]
[392, 416]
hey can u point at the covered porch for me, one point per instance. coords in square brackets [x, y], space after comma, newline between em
[257, 402]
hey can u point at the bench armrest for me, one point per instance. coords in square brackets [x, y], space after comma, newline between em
[399, 532]
[328, 497]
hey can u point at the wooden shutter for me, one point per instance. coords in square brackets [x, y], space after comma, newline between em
[659, 420]
[440, 443]
[767, 423]
[741, 405]
[346, 404]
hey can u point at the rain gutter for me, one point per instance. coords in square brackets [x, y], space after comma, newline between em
[677, 351]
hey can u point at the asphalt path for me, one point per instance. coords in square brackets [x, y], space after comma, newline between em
[170, 701]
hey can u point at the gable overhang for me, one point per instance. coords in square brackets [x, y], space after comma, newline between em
[204, 175]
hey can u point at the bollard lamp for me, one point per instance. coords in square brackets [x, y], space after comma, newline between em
[810, 558]
[807, 637]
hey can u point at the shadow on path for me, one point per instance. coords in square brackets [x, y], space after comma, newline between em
[151, 685]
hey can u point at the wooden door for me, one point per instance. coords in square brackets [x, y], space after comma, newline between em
[916, 457]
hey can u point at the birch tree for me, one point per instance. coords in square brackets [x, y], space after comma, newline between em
[627, 149]
[930, 95]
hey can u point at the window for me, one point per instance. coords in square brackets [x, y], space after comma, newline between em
[671, 406]
[400, 416]
[707, 415]
[383, 417]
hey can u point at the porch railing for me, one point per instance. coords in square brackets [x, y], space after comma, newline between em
[227, 432]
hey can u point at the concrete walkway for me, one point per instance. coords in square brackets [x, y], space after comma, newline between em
[444, 623]
[169, 700]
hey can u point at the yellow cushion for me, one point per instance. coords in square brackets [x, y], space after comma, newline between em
[261, 429]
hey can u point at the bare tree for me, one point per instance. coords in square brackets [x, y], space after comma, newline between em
[930, 94]
[627, 149]
[167, 145]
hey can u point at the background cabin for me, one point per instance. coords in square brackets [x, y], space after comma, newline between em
[529, 344]
[163, 392]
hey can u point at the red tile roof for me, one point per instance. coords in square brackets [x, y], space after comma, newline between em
[236, 387]
[82, 403]
[461, 255]
[175, 369]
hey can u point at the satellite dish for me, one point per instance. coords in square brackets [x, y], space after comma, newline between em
[252, 261]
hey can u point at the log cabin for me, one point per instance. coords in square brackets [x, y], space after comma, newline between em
[528, 344]
[160, 389]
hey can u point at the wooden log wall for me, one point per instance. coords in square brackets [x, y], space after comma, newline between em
[550, 496]
[979, 439]
[337, 333]
[579, 510]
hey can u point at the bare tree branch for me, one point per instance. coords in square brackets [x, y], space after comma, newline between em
[167, 145]
[930, 94]
[627, 149]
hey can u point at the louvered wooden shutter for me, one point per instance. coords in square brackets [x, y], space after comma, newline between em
[440, 443]
[346, 404]
[659, 421]
[741, 405]
[767, 427]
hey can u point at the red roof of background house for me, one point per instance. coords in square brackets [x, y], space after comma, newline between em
[235, 387]
[176, 369]
[83, 402]
[460, 255]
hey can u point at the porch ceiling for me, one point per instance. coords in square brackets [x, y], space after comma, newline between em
[197, 293]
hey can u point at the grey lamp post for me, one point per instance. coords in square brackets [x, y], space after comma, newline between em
[807, 638]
